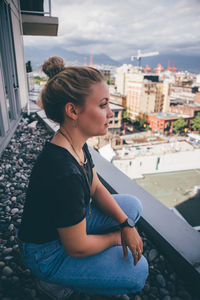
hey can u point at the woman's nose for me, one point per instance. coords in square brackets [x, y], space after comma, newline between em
[110, 114]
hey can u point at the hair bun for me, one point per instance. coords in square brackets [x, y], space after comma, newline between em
[53, 65]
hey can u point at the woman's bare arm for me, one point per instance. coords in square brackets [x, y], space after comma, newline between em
[78, 244]
[105, 201]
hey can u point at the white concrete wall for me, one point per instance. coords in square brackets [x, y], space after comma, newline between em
[179, 161]
[19, 52]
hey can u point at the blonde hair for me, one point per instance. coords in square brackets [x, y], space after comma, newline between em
[66, 84]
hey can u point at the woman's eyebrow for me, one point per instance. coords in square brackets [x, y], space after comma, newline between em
[105, 98]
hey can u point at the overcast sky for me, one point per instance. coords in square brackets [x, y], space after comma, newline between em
[119, 28]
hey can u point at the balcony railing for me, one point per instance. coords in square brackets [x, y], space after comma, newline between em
[36, 7]
[37, 18]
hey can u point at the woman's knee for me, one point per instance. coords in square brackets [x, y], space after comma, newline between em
[131, 205]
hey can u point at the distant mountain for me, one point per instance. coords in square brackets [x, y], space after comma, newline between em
[182, 62]
[37, 56]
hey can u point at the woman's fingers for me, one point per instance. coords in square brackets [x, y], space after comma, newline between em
[131, 239]
[125, 250]
[137, 255]
[141, 245]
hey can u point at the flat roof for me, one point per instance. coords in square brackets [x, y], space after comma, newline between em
[173, 189]
[114, 106]
[169, 116]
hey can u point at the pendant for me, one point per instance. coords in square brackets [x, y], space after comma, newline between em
[90, 213]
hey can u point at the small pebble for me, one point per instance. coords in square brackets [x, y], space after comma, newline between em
[167, 297]
[14, 211]
[2, 264]
[7, 271]
[7, 251]
[161, 280]
[152, 254]
[11, 227]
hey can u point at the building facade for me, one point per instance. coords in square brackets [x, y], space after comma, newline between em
[116, 121]
[118, 99]
[146, 96]
[163, 122]
[190, 110]
[124, 74]
[13, 82]
[13, 78]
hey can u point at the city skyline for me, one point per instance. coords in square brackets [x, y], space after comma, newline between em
[119, 28]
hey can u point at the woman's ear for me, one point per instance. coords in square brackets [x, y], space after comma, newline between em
[71, 110]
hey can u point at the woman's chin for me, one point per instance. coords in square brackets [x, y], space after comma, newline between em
[100, 133]
[104, 132]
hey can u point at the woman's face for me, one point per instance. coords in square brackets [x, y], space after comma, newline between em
[93, 120]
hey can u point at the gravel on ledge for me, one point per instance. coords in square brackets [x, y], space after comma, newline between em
[16, 281]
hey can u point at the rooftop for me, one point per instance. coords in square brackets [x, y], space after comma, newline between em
[178, 193]
[116, 107]
[169, 116]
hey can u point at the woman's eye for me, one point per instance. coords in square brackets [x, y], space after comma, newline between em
[103, 105]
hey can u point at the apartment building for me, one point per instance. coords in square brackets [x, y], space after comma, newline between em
[117, 98]
[17, 18]
[190, 109]
[146, 95]
[116, 121]
[159, 122]
[124, 74]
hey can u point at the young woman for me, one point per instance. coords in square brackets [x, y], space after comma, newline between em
[67, 239]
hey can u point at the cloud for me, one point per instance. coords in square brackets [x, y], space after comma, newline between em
[120, 27]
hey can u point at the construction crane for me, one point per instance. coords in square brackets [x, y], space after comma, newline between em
[140, 55]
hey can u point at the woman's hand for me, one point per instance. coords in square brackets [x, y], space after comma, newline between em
[131, 239]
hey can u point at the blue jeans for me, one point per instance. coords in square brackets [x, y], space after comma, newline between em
[106, 273]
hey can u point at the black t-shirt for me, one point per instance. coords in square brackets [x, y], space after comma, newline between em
[57, 195]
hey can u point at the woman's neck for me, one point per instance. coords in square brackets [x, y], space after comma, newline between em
[74, 137]
[72, 140]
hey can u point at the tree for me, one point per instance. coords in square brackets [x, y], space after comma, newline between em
[140, 122]
[196, 122]
[38, 79]
[179, 125]
[126, 114]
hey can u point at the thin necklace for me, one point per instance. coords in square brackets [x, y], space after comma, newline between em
[85, 159]
[83, 168]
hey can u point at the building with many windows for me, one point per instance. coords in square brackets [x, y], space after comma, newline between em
[162, 122]
[117, 98]
[145, 94]
[116, 120]
[124, 74]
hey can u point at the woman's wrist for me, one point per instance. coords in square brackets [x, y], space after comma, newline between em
[117, 238]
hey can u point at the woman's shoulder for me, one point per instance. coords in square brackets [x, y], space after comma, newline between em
[54, 158]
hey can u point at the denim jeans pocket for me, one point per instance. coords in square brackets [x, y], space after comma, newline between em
[46, 261]
[45, 255]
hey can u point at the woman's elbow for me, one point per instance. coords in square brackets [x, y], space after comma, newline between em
[75, 252]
